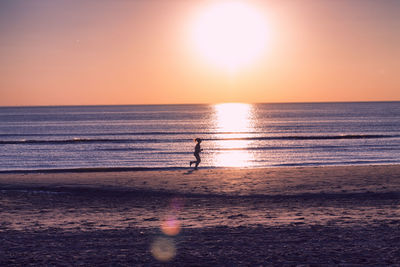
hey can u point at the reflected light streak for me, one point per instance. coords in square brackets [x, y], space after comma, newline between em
[235, 119]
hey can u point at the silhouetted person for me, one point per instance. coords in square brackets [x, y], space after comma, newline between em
[197, 151]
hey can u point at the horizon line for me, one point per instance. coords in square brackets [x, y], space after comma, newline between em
[183, 104]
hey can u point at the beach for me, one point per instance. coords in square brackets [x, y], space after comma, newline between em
[226, 216]
[200, 133]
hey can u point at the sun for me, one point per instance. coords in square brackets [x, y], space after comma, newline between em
[229, 35]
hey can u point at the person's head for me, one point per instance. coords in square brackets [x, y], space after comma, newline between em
[198, 140]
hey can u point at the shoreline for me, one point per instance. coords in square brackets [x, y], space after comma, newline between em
[224, 181]
[140, 169]
[207, 197]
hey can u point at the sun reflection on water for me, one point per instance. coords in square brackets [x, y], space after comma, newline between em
[233, 121]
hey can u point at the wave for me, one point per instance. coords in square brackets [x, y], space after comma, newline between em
[314, 137]
[344, 162]
[94, 169]
[124, 133]
[89, 140]
[154, 140]
[128, 149]
[274, 148]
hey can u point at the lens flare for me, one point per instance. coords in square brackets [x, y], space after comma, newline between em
[163, 249]
[171, 226]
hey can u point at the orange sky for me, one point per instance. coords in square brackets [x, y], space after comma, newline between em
[139, 52]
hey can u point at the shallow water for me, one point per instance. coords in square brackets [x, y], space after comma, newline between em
[239, 135]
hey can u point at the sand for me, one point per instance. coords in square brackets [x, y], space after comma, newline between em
[311, 215]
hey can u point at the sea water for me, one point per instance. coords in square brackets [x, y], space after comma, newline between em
[234, 135]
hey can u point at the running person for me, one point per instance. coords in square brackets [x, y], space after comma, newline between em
[197, 151]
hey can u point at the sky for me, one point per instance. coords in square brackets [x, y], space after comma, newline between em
[59, 52]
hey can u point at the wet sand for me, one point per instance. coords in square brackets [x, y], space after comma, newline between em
[311, 215]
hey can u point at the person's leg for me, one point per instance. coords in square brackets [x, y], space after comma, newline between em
[194, 161]
[198, 160]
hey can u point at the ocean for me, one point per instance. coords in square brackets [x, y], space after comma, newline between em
[234, 135]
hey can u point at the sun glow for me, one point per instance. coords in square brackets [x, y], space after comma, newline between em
[230, 35]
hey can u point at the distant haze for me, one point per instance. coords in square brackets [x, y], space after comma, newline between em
[139, 52]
